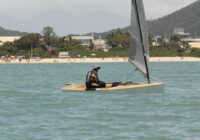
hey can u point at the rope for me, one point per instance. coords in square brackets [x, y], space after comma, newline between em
[130, 74]
[154, 78]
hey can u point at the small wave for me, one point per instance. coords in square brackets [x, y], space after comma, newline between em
[10, 91]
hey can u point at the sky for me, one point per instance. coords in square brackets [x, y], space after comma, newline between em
[24, 9]
[154, 8]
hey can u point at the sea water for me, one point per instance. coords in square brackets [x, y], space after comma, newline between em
[33, 107]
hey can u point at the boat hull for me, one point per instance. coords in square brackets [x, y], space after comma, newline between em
[154, 87]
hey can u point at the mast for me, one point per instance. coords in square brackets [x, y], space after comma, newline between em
[144, 53]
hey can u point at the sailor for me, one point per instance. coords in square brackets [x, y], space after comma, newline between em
[92, 80]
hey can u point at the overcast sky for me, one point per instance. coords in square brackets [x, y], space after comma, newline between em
[23, 9]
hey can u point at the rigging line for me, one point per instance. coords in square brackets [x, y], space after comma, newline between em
[130, 74]
[155, 79]
[141, 36]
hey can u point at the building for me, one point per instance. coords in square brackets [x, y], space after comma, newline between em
[88, 40]
[84, 40]
[155, 40]
[100, 44]
[63, 54]
[4, 39]
[193, 42]
[180, 32]
[158, 40]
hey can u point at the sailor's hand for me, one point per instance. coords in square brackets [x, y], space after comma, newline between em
[94, 84]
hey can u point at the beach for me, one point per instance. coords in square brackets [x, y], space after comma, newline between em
[97, 60]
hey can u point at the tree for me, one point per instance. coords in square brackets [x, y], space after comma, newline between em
[92, 46]
[173, 45]
[49, 35]
[26, 41]
[8, 49]
[119, 39]
[150, 39]
[175, 38]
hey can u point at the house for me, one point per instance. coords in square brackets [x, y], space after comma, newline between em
[100, 44]
[180, 32]
[4, 39]
[193, 42]
[84, 40]
[155, 40]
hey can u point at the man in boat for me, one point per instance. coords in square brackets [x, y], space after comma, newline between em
[92, 79]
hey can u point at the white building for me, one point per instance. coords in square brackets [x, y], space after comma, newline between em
[84, 40]
[180, 32]
[4, 39]
[63, 54]
[100, 44]
[88, 40]
[155, 40]
[193, 42]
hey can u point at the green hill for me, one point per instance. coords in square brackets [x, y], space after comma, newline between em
[4, 32]
[187, 17]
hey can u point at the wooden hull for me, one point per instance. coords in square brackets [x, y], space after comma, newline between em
[129, 87]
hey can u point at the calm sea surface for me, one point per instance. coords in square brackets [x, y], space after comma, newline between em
[32, 106]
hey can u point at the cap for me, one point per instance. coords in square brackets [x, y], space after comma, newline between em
[96, 66]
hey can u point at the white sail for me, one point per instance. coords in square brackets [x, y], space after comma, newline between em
[139, 48]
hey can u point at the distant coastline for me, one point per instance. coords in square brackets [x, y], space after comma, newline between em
[96, 60]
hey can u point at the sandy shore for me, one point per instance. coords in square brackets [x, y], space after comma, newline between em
[100, 60]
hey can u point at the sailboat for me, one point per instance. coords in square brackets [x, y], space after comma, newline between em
[139, 53]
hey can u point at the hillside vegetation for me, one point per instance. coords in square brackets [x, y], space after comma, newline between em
[187, 17]
[49, 45]
[4, 32]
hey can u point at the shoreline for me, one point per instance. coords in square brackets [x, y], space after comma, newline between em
[97, 60]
